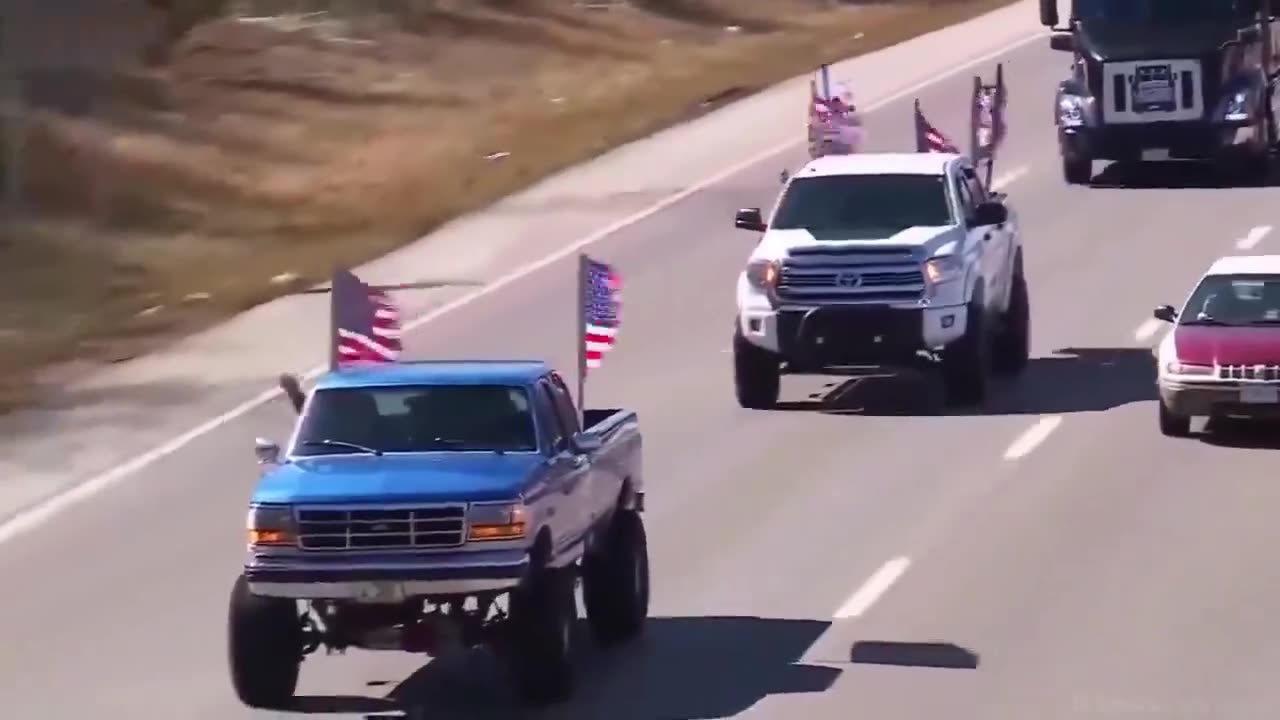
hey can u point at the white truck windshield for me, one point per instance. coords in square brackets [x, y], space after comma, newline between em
[1164, 12]
[863, 207]
[423, 418]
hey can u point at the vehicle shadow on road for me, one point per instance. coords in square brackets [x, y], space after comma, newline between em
[1071, 380]
[1173, 175]
[1242, 434]
[683, 667]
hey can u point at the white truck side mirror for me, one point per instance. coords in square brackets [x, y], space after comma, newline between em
[267, 451]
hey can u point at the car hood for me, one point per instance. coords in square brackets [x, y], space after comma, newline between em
[1125, 41]
[426, 477]
[927, 239]
[1208, 345]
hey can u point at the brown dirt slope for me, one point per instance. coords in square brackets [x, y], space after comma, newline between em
[277, 137]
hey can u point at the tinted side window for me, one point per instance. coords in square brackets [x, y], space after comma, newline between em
[555, 428]
[564, 405]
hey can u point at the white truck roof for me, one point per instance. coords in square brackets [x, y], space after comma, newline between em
[878, 164]
[1245, 264]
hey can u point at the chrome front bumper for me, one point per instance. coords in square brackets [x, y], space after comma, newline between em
[1216, 398]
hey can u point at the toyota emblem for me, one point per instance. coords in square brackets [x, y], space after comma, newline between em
[848, 280]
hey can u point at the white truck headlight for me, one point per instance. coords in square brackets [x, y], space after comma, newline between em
[763, 274]
[1071, 110]
[271, 525]
[1174, 367]
[943, 269]
[498, 521]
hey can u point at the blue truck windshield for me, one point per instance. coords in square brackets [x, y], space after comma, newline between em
[1164, 12]
[862, 207]
[420, 418]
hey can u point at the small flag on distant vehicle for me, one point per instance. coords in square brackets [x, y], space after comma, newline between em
[366, 323]
[930, 139]
[600, 296]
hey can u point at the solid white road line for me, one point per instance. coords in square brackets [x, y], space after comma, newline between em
[877, 585]
[1031, 438]
[45, 510]
[1253, 237]
[1005, 179]
[1146, 329]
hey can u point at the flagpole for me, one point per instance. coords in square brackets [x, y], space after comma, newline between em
[333, 323]
[581, 334]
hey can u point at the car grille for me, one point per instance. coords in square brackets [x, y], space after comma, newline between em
[1249, 372]
[401, 528]
[851, 275]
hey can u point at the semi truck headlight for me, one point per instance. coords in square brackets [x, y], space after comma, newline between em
[1237, 107]
[506, 521]
[1071, 110]
[763, 274]
[271, 525]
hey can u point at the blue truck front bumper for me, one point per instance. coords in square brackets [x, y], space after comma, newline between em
[383, 577]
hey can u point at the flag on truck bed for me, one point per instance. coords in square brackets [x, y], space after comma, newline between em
[366, 323]
[929, 138]
[601, 298]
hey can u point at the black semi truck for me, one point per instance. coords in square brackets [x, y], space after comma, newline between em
[1166, 80]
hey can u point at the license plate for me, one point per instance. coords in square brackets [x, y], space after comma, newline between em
[1155, 154]
[1261, 394]
[380, 592]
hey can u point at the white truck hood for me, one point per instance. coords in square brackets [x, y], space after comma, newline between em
[930, 240]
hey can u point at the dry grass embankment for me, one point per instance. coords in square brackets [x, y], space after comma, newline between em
[260, 148]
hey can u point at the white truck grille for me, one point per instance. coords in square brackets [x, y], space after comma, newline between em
[851, 275]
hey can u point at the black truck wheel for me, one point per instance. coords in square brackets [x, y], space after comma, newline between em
[966, 362]
[264, 647]
[1172, 425]
[1077, 170]
[757, 374]
[1013, 345]
[615, 582]
[543, 615]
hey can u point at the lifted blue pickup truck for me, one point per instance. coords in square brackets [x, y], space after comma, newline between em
[434, 506]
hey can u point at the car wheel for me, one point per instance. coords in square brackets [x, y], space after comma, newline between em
[1013, 345]
[966, 362]
[1172, 425]
[757, 374]
[543, 614]
[615, 582]
[1077, 170]
[264, 647]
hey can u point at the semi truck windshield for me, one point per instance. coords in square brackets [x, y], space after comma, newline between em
[1163, 12]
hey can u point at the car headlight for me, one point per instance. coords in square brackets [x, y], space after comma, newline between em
[1175, 367]
[1071, 110]
[763, 274]
[271, 525]
[943, 269]
[1237, 107]
[505, 521]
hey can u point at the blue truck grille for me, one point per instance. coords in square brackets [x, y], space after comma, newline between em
[400, 528]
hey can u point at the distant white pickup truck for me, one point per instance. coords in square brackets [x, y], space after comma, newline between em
[882, 259]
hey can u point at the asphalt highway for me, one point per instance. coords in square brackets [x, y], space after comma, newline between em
[857, 553]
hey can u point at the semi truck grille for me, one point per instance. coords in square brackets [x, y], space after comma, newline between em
[400, 528]
[1249, 372]
[829, 275]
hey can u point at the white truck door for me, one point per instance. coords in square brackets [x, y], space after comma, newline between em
[981, 245]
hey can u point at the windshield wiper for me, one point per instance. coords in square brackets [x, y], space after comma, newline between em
[342, 444]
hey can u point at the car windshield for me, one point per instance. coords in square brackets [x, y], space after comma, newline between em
[1164, 12]
[1234, 300]
[423, 418]
[862, 207]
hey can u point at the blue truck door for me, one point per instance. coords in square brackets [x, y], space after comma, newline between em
[599, 495]
[568, 476]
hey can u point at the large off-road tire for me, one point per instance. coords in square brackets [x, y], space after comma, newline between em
[757, 374]
[1171, 425]
[1012, 350]
[264, 647]
[966, 363]
[1077, 170]
[615, 581]
[543, 615]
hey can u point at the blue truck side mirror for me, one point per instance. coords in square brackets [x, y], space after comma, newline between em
[585, 443]
[267, 451]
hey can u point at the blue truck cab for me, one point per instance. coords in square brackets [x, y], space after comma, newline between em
[433, 506]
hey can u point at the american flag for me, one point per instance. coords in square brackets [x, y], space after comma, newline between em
[602, 305]
[366, 321]
[929, 138]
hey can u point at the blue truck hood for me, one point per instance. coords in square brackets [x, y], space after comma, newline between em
[435, 477]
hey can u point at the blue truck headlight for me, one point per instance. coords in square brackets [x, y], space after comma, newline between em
[499, 521]
[1237, 107]
[271, 526]
[1071, 110]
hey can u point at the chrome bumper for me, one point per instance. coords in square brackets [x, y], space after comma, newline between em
[385, 577]
[1215, 398]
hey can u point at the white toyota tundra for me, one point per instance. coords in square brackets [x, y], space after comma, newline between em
[882, 259]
